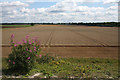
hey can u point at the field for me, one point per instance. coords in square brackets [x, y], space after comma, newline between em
[68, 41]
[74, 51]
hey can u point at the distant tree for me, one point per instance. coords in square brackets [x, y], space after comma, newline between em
[32, 24]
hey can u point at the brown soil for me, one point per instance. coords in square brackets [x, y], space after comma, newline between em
[79, 36]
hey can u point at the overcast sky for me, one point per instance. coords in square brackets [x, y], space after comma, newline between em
[58, 11]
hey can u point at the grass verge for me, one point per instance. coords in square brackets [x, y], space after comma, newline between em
[72, 67]
[16, 25]
[13, 26]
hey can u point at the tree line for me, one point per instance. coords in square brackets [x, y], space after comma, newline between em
[102, 24]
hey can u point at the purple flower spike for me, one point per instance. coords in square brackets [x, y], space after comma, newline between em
[9, 60]
[19, 42]
[12, 36]
[27, 36]
[33, 41]
[28, 58]
[15, 45]
[30, 43]
[30, 51]
[29, 40]
[34, 49]
[25, 41]
[13, 62]
[40, 55]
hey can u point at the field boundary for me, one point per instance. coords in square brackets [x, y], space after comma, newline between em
[66, 45]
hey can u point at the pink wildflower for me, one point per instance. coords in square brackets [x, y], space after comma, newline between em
[33, 41]
[9, 60]
[27, 36]
[13, 62]
[30, 43]
[12, 36]
[30, 51]
[40, 55]
[19, 42]
[25, 41]
[27, 49]
[34, 49]
[15, 45]
[28, 58]
[36, 55]
[13, 42]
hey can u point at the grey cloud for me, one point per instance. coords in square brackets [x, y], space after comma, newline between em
[56, 11]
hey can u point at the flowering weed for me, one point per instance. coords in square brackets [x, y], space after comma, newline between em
[23, 56]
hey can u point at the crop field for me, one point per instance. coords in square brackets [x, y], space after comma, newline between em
[68, 40]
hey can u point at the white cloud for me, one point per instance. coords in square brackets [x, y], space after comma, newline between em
[13, 4]
[110, 1]
[10, 7]
[40, 10]
[25, 10]
[105, 1]
[65, 11]
[113, 8]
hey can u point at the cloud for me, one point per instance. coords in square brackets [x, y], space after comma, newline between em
[64, 6]
[10, 7]
[64, 11]
[110, 1]
[104, 1]
[113, 8]
[13, 4]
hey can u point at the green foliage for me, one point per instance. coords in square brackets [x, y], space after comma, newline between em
[16, 25]
[24, 54]
[32, 24]
[73, 67]
[45, 59]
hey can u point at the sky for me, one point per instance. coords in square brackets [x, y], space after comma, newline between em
[58, 11]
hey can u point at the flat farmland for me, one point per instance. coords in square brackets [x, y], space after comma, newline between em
[80, 41]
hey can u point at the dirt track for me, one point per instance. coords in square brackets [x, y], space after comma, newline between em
[64, 35]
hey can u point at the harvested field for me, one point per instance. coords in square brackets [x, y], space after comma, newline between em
[77, 52]
[67, 40]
